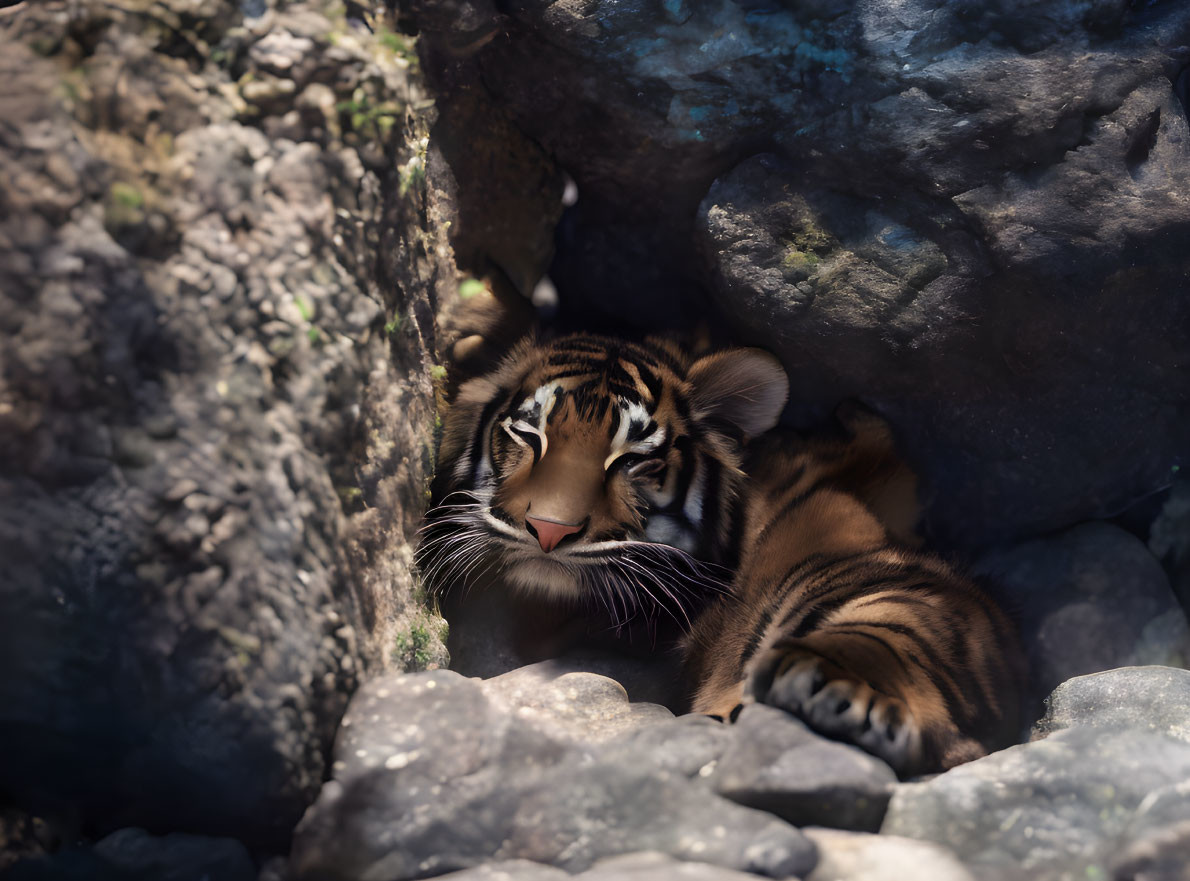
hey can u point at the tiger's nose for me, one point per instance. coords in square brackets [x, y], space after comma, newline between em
[549, 533]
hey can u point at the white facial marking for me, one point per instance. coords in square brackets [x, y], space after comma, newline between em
[630, 412]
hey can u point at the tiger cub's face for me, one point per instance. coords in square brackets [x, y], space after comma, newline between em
[596, 467]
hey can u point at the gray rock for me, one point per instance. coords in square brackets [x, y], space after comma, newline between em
[1153, 699]
[432, 776]
[509, 870]
[1161, 856]
[657, 867]
[176, 857]
[630, 867]
[212, 455]
[775, 763]
[571, 706]
[689, 745]
[857, 856]
[1090, 599]
[1053, 809]
[1169, 539]
[134, 855]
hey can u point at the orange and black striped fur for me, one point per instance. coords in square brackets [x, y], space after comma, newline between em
[835, 618]
[591, 469]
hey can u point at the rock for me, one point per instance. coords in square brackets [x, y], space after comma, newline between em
[689, 746]
[1089, 599]
[1051, 809]
[134, 855]
[212, 454]
[571, 706]
[430, 775]
[1163, 856]
[510, 870]
[630, 867]
[962, 202]
[775, 763]
[1169, 539]
[1154, 699]
[856, 856]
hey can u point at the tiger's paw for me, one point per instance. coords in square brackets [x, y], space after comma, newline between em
[837, 704]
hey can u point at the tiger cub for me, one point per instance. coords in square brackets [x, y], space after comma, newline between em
[592, 470]
[836, 619]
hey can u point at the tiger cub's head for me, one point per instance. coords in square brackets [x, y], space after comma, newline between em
[591, 466]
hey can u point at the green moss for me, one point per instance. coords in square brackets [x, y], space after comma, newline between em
[438, 372]
[418, 648]
[795, 258]
[304, 306]
[127, 196]
[367, 116]
[393, 325]
[470, 287]
[314, 335]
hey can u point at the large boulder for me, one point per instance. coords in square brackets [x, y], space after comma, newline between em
[1097, 793]
[215, 407]
[1087, 599]
[973, 216]
[434, 772]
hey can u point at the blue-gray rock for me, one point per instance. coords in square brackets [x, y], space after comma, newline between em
[1089, 599]
[1153, 699]
[1048, 810]
[134, 855]
[775, 763]
[431, 775]
[647, 866]
[858, 856]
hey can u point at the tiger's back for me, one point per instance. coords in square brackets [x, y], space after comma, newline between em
[837, 619]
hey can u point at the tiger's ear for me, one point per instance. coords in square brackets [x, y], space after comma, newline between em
[746, 387]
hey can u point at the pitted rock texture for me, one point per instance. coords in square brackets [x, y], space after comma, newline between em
[1094, 795]
[432, 776]
[856, 856]
[1129, 698]
[1088, 599]
[972, 216]
[215, 408]
[776, 764]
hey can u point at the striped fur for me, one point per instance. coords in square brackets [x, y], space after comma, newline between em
[591, 468]
[835, 618]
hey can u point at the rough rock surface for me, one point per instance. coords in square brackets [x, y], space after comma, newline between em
[855, 856]
[431, 776]
[215, 408]
[1072, 805]
[1131, 698]
[973, 216]
[1089, 599]
[776, 764]
[630, 867]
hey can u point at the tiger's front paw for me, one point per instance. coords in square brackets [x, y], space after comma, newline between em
[837, 704]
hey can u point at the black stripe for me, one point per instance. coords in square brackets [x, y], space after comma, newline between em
[754, 640]
[951, 691]
[482, 430]
[708, 528]
[884, 643]
[788, 507]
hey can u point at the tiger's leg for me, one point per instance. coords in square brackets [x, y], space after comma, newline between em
[900, 685]
[869, 467]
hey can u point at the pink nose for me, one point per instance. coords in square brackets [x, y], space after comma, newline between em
[550, 532]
